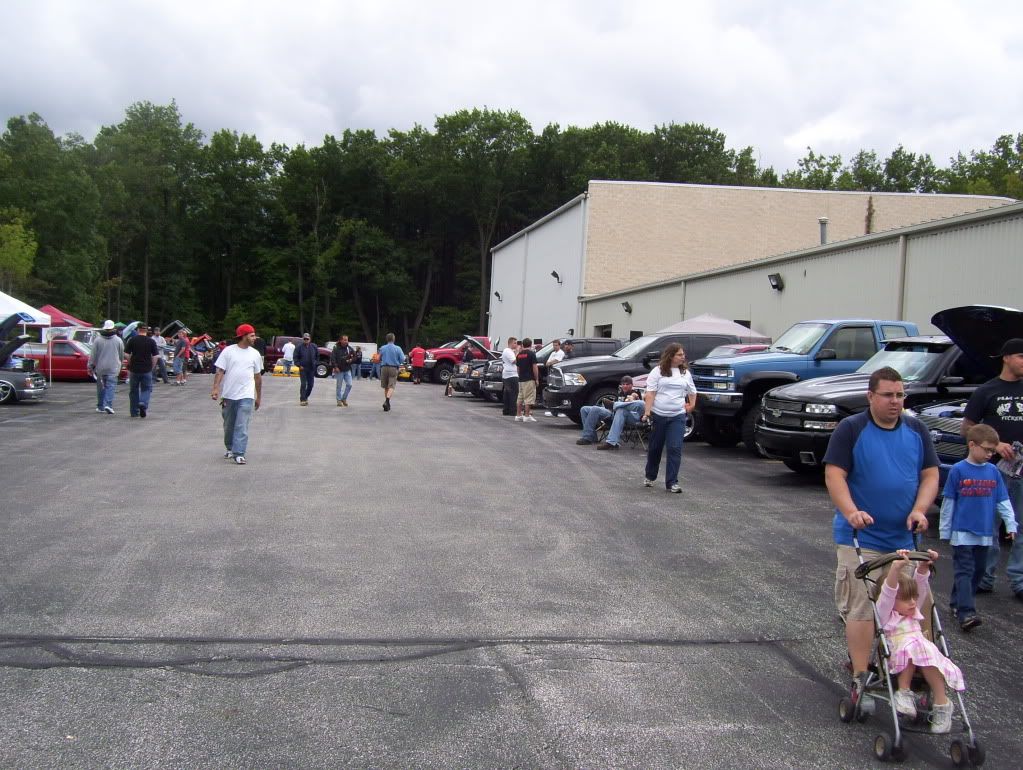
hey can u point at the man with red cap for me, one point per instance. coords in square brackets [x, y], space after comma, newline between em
[238, 384]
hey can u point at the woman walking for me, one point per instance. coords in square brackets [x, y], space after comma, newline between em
[670, 396]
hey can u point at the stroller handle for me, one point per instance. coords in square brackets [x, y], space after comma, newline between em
[885, 559]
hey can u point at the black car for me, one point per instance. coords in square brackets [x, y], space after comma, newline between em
[493, 385]
[582, 381]
[19, 381]
[468, 376]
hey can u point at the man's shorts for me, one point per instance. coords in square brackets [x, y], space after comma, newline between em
[388, 376]
[851, 596]
[179, 365]
[527, 392]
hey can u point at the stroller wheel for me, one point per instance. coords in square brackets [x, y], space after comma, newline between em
[957, 752]
[846, 710]
[898, 752]
[976, 754]
[883, 747]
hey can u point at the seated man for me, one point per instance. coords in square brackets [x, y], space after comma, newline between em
[627, 410]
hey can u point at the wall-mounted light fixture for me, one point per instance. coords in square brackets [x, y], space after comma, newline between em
[627, 306]
[776, 282]
[571, 332]
[498, 295]
[555, 276]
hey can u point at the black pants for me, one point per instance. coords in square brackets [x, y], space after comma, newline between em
[510, 394]
[308, 376]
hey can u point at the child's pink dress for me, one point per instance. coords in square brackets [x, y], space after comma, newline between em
[907, 640]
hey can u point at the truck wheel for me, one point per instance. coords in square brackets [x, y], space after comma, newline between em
[322, 369]
[749, 424]
[717, 432]
[601, 393]
[442, 373]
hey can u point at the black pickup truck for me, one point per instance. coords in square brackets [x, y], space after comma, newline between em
[797, 420]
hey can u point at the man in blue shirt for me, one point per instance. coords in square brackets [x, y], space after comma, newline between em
[882, 475]
[391, 357]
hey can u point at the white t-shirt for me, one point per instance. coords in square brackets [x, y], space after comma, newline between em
[555, 357]
[508, 367]
[288, 351]
[671, 392]
[239, 365]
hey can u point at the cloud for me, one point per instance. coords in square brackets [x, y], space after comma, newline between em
[937, 77]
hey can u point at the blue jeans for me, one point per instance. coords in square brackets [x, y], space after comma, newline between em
[1015, 567]
[287, 366]
[968, 563]
[139, 388]
[307, 376]
[625, 413]
[667, 431]
[374, 372]
[236, 414]
[105, 385]
[343, 379]
[592, 415]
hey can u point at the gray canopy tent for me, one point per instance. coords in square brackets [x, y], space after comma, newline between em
[711, 324]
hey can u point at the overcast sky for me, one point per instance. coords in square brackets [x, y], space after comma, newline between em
[936, 76]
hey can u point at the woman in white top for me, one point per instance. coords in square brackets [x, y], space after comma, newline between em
[670, 396]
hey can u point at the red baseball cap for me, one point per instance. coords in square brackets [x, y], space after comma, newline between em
[244, 329]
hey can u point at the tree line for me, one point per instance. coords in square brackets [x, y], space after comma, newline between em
[366, 234]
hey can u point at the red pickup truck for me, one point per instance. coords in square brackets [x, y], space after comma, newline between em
[274, 351]
[443, 361]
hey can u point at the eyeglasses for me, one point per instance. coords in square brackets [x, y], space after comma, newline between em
[989, 450]
[891, 396]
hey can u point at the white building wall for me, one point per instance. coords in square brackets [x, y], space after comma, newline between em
[652, 310]
[534, 304]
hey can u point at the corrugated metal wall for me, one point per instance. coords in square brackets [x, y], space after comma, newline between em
[652, 310]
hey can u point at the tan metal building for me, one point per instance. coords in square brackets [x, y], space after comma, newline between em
[907, 273]
[623, 234]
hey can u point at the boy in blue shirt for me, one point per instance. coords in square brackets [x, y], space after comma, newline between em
[974, 495]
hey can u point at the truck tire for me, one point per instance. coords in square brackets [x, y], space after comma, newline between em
[442, 372]
[322, 369]
[717, 432]
[601, 393]
[749, 424]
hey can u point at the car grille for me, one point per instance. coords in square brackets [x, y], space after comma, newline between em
[782, 414]
[702, 371]
[554, 378]
[945, 433]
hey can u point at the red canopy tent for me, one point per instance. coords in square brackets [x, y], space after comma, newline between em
[59, 318]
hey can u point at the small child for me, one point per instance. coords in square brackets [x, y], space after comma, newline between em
[898, 607]
[974, 496]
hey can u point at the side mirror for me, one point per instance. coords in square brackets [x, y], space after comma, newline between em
[653, 355]
[825, 354]
[949, 380]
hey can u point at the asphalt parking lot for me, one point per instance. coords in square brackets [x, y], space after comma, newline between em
[437, 586]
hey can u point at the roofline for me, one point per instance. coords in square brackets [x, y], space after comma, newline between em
[546, 218]
[959, 220]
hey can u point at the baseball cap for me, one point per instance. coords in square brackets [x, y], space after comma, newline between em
[1011, 347]
[307, 336]
[244, 329]
[626, 380]
[108, 325]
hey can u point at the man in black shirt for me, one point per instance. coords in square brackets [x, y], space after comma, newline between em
[140, 350]
[999, 403]
[525, 362]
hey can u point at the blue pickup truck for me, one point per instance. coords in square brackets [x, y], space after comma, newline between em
[730, 390]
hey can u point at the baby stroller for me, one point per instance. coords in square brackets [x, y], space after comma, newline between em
[964, 748]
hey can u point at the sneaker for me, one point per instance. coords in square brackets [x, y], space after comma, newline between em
[339, 404]
[859, 685]
[648, 482]
[605, 445]
[142, 412]
[529, 418]
[387, 406]
[675, 489]
[239, 460]
[970, 622]
[108, 409]
[941, 718]
[100, 410]
[985, 589]
[905, 703]
[548, 414]
[518, 418]
[303, 403]
[228, 455]
[343, 402]
[583, 442]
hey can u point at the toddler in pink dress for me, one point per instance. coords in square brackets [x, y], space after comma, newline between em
[898, 607]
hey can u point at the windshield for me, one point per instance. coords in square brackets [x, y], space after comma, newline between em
[800, 338]
[634, 347]
[452, 344]
[911, 362]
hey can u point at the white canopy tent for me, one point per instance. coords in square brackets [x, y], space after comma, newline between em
[9, 306]
[711, 324]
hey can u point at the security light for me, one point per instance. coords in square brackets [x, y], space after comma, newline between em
[555, 276]
[498, 295]
[627, 306]
[776, 282]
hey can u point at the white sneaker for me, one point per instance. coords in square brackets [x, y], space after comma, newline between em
[548, 414]
[941, 718]
[518, 418]
[529, 418]
[905, 703]
[647, 482]
[108, 409]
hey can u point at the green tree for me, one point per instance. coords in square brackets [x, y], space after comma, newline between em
[815, 172]
[17, 248]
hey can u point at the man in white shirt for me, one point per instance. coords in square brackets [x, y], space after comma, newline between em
[239, 385]
[288, 357]
[510, 376]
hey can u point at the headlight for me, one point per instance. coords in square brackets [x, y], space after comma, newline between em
[724, 373]
[821, 409]
[429, 356]
[573, 378]
[476, 373]
[719, 385]
[818, 425]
